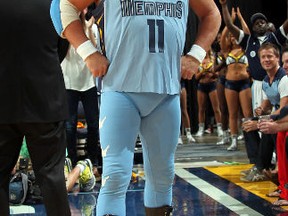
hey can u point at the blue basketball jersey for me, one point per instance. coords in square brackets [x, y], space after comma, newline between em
[144, 41]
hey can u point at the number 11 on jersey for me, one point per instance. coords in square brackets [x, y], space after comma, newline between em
[152, 35]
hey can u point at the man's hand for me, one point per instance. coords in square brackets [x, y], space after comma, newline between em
[249, 125]
[268, 127]
[189, 66]
[97, 64]
[258, 111]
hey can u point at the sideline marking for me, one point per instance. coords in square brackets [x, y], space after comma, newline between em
[22, 209]
[216, 194]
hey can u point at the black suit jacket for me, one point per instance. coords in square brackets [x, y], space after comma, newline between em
[31, 82]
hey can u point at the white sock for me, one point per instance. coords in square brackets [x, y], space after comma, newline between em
[187, 130]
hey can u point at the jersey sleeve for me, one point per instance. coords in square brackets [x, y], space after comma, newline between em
[55, 16]
[63, 13]
[282, 87]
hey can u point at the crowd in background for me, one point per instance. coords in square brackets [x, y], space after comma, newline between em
[247, 69]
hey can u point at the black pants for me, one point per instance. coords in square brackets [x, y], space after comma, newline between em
[252, 142]
[46, 143]
[90, 111]
[266, 148]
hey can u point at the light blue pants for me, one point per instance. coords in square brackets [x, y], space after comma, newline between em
[156, 118]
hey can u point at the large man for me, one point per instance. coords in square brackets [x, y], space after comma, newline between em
[32, 101]
[144, 41]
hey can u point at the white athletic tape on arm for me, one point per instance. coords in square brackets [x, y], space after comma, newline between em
[69, 13]
[86, 49]
[197, 52]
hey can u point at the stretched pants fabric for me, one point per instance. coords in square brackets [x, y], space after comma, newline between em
[282, 163]
[46, 144]
[123, 116]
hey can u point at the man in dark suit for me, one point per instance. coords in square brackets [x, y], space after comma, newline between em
[33, 100]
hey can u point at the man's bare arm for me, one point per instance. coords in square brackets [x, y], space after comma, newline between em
[210, 20]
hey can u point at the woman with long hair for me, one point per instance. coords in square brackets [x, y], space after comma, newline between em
[237, 85]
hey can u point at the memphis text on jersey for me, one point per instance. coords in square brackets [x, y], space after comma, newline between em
[138, 8]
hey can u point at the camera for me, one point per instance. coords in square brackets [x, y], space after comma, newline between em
[23, 163]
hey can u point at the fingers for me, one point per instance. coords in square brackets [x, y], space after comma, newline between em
[97, 64]
[189, 66]
[267, 127]
[249, 126]
[188, 74]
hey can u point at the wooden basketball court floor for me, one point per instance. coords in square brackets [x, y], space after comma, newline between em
[207, 183]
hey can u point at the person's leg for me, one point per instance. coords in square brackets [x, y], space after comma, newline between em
[224, 112]
[285, 167]
[201, 99]
[232, 98]
[10, 144]
[266, 149]
[281, 137]
[184, 113]
[233, 109]
[119, 126]
[252, 139]
[252, 143]
[216, 109]
[71, 125]
[46, 143]
[185, 116]
[282, 169]
[263, 160]
[215, 105]
[72, 178]
[245, 102]
[159, 135]
[90, 104]
[223, 106]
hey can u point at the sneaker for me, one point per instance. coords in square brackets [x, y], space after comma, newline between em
[219, 132]
[67, 166]
[223, 141]
[190, 138]
[87, 178]
[199, 133]
[240, 137]
[254, 176]
[225, 138]
[180, 141]
[246, 172]
[234, 145]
